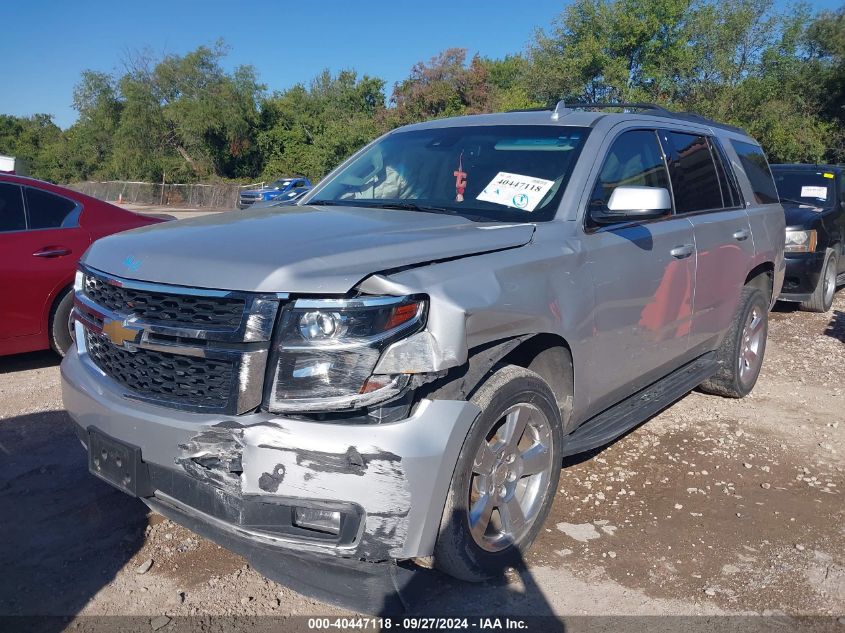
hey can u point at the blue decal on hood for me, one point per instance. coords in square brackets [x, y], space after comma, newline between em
[131, 263]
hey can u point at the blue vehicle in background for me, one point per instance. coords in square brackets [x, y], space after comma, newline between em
[286, 187]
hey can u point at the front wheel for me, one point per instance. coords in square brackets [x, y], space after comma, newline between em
[822, 298]
[61, 323]
[505, 479]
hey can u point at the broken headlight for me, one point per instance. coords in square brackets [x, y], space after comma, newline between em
[325, 350]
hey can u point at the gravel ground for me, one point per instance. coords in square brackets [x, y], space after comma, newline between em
[713, 507]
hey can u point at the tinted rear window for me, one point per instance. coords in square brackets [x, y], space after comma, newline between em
[757, 169]
[12, 217]
[695, 183]
[46, 210]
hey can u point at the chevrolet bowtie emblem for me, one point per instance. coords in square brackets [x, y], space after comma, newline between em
[120, 333]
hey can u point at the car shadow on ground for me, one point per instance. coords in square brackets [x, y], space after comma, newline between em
[63, 533]
[836, 327]
[512, 593]
[32, 360]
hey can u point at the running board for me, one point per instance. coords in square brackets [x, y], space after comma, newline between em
[636, 409]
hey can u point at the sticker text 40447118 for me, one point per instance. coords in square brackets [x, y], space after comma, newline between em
[515, 190]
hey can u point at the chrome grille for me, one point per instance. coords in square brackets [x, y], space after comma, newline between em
[187, 348]
[184, 380]
[176, 309]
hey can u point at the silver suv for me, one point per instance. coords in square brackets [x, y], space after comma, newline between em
[395, 368]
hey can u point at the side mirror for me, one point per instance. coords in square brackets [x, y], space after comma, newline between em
[634, 203]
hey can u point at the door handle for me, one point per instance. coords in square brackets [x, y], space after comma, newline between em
[741, 234]
[52, 251]
[682, 252]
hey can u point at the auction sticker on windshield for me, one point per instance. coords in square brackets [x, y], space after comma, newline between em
[514, 190]
[814, 192]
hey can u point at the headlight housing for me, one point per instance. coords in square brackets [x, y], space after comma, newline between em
[800, 241]
[324, 352]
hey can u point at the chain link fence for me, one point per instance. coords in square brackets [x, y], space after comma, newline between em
[196, 196]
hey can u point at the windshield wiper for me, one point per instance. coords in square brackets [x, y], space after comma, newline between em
[401, 206]
[333, 203]
[425, 208]
[410, 206]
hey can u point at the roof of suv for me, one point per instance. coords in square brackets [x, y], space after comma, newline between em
[577, 114]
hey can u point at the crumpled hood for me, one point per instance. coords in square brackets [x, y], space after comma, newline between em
[804, 215]
[317, 250]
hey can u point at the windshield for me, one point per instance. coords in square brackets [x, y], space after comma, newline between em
[805, 187]
[486, 173]
[280, 184]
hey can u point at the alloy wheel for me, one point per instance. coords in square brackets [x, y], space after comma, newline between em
[510, 477]
[753, 337]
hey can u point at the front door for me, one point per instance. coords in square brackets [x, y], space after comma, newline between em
[644, 276]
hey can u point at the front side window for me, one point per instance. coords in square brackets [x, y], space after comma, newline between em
[695, 182]
[486, 173]
[805, 186]
[12, 217]
[634, 160]
[756, 167]
[46, 210]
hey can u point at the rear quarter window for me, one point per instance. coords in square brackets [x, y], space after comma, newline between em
[12, 216]
[756, 167]
[695, 182]
[47, 210]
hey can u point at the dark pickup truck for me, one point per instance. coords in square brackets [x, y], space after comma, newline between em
[813, 197]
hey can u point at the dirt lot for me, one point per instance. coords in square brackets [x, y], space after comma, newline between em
[714, 507]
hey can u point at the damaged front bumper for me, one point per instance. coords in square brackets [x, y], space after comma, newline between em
[239, 479]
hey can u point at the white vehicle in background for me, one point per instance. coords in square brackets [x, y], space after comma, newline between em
[13, 165]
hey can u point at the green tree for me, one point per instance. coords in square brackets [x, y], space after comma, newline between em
[309, 131]
[612, 50]
[736, 61]
[90, 141]
[38, 141]
[824, 75]
[443, 86]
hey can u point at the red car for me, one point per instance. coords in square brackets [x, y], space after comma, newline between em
[44, 230]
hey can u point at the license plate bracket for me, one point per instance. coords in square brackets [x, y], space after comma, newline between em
[118, 463]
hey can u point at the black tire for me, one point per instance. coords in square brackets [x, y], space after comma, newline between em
[60, 335]
[509, 388]
[822, 298]
[736, 377]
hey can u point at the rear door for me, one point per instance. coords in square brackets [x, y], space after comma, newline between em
[706, 193]
[643, 274]
[37, 255]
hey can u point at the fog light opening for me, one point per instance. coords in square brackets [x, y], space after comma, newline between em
[326, 521]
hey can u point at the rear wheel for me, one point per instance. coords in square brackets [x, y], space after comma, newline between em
[822, 298]
[61, 323]
[740, 356]
[505, 479]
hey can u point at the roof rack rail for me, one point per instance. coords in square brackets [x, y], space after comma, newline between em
[596, 105]
[563, 108]
[651, 109]
[540, 109]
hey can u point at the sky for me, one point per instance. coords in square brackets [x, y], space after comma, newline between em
[51, 42]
